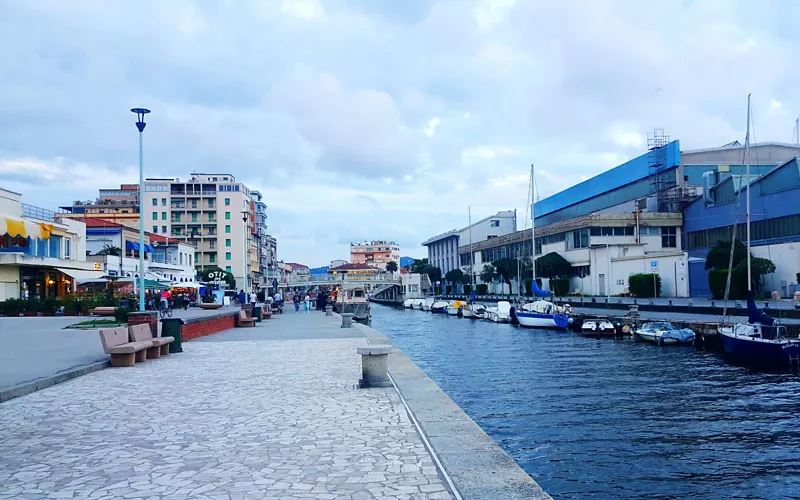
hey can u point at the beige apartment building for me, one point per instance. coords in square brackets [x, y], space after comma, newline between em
[207, 210]
[375, 253]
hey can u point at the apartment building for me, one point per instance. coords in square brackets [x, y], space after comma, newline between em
[375, 253]
[115, 205]
[210, 211]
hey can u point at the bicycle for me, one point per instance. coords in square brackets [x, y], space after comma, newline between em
[165, 311]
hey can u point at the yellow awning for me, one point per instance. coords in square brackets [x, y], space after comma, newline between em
[14, 226]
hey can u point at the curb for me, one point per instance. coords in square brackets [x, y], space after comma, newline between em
[43, 383]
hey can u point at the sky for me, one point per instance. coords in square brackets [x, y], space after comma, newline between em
[379, 119]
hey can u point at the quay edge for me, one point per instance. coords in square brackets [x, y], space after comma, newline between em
[478, 468]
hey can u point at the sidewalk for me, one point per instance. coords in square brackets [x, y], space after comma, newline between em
[265, 412]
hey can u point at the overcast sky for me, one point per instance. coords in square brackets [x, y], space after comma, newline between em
[379, 119]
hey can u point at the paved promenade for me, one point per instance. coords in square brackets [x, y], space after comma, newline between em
[265, 412]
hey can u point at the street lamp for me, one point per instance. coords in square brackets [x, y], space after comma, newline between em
[140, 124]
[244, 262]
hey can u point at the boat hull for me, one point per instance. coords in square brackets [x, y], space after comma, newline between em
[452, 312]
[759, 353]
[600, 332]
[439, 310]
[360, 310]
[660, 339]
[535, 320]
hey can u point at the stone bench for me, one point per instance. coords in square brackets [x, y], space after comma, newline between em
[375, 366]
[103, 311]
[123, 352]
[142, 333]
[245, 320]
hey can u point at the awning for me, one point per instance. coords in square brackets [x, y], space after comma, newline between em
[15, 226]
[131, 245]
[80, 274]
[148, 248]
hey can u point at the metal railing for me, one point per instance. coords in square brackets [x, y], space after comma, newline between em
[35, 212]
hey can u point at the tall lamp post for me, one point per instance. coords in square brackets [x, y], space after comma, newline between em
[246, 253]
[140, 124]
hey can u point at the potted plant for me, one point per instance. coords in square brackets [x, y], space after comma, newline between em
[30, 308]
[48, 307]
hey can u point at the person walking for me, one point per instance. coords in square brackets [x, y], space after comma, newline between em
[296, 300]
[242, 298]
[307, 302]
[253, 298]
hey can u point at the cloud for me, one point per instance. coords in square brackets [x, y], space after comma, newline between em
[360, 119]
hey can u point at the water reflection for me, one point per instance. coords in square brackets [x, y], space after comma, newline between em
[613, 418]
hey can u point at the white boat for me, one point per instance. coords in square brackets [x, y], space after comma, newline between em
[473, 311]
[542, 314]
[596, 327]
[408, 304]
[663, 333]
[439, 307]
[499, 314]
[427, 303]
[417, 304]
[454, 307]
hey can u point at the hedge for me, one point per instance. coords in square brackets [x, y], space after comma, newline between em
[641, 285]
[467, 289]
[482, 289]
[717, 279]
[559, 286]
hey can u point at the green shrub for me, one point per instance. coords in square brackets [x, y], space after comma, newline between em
[467, 289]
[48, 306]
[482, 289]
[716, 282]
[559, 286]
[12, 307]
[121, 314]
[641, 285]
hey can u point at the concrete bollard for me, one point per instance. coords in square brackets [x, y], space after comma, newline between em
[347, 320]
[375, 366]
[328, 310]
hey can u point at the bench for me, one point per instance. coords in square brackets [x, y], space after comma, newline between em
[245, 320]
[103, 311]
[266, 310]
[142, 333]
[123, 353]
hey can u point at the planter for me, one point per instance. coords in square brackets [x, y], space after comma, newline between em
[29, 314]
[70, 313]
[49, 314]
[210, 306]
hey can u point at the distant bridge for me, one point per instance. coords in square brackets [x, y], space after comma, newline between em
[370, 281]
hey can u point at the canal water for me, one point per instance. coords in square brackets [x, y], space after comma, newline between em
[612, 418]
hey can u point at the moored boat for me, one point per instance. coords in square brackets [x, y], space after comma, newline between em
[663, 333]
[542, 314]
[439, 307]
[454, 307]
[499, 314]
[353, 300]
[408, 304]
[427, 303]
[597, 327]
[417, 304]
[473, 311]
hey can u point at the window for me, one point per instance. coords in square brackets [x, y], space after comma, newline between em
[67, 248]
[212, 258]
[194, 203]
[164, 215]
[163, 202]
[669, 237]
[211, 203]
[228, 268]
[213, 179]
[155, 202]
[194, 217]
[211, 217]
[196, 258]
[164, 229]
[155, 229]
[155, 215]
[228, 229]
[227, 202]
[227, 242]
[227, 216]
[494, 223]
[227, 256]
[578, 239]
[212, 244]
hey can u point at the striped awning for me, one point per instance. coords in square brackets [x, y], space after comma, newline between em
[15, 226]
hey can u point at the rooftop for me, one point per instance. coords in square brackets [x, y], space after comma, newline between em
[456, 232]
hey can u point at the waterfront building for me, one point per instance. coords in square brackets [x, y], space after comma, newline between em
[265, 243]
[775, 223]
[294, 273]
[117, 205]
[353, 269]
[630, 218]
[213, 212]
[375, 253]
[40, 255]
[443, 249]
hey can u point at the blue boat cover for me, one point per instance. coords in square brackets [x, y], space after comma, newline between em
[684, 335]
[755, 315]
[537, 291]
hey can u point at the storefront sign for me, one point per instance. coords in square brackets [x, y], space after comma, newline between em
[16, 243]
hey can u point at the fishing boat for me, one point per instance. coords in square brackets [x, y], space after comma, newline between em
[427, 303]
[500, 313]
[539, 313]
[439, 307]
[353, 300]
[598, 327]
[663, 333]
[473, 311]
[760, 343]
[454, 307]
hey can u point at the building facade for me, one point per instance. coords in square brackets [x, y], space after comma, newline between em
[120, 206]
[40, 255]
[209, 211]
[443, 249]
[266, 244]
[375, 253]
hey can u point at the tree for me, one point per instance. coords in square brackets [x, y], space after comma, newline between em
[457, 276]
[434, 273]
[214, 273]
[553, 265]
[719, 256]
[507, 268]
[419, 266]
[487, 273]
[110, 250]
[391, 267]
[758, 269]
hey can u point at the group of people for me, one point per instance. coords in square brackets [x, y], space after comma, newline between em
[306, 301]
[179, 300]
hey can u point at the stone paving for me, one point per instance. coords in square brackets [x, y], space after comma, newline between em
[236, 419]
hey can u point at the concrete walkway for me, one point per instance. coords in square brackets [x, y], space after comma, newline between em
[265, 412]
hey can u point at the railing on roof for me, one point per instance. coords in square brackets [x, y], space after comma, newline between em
[35, 212]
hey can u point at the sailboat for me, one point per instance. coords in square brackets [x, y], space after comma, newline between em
[759, 343]
[539, 313]
[471, 309]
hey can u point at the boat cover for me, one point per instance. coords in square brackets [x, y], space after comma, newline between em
[684, 335]
[755, 315]
[538, 292]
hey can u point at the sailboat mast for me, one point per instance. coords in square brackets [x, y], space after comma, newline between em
[747, 157]
[533, 231]
[471, 254]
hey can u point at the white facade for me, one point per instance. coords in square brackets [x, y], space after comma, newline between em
[443, 249]
[209, 206]
[412, 286]
[786, 257]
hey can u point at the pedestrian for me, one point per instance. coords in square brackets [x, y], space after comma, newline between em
[242, 298]
[307, 302]
[253, 298]
[296, 300]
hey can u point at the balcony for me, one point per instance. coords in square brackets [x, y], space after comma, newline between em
[38, 213]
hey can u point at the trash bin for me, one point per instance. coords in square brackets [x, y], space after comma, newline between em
[171, 327]
[257, 313]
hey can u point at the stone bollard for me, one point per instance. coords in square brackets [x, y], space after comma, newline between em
[375, 366]
[347, 320]
[328, 310]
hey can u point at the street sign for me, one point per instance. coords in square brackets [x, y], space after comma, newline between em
[654, 265]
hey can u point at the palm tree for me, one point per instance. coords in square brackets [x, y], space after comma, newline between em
[110, 250]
